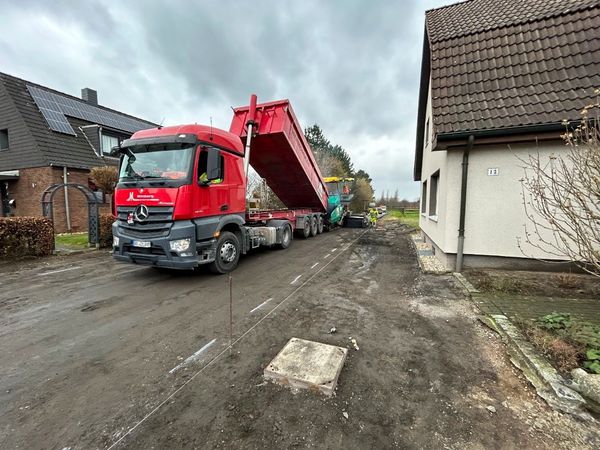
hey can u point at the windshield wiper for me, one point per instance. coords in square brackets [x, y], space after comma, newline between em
[133, 176]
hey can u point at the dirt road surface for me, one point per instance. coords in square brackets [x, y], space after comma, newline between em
[95, 354]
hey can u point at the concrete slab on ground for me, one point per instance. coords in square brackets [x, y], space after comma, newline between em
[307, 365]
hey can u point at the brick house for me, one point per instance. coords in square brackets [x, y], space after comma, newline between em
[45, 135]
[498, 77]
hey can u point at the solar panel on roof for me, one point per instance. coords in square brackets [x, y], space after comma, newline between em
[54, 108]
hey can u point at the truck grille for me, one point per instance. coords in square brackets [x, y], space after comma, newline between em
[158, 223]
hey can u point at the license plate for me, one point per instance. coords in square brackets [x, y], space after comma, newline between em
[142, 244]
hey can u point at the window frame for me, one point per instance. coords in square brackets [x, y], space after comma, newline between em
[203, 149]
[424, 198]
[108, 135]
[434, 184]
[4, 131]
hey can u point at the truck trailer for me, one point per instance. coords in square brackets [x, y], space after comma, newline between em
[180, 201]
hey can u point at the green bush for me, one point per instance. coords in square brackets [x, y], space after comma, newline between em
[25, 236]
[106, 237]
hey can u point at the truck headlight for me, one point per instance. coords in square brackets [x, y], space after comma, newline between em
[179, 245]
[115, 241]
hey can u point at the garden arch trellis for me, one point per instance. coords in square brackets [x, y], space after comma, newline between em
[92, 200]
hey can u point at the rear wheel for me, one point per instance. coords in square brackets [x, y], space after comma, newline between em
[314, 227]
[228, 253]
[320, 224]
[286, 237]
[305, 231]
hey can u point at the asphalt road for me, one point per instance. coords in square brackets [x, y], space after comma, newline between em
[97, 354]
[85, 339]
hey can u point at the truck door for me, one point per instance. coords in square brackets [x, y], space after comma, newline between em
[214, 195]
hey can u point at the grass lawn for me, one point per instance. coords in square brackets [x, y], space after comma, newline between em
[72, 240]
[410, 218]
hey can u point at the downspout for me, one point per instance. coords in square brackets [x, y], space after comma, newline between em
[67, 212]
[463, 204]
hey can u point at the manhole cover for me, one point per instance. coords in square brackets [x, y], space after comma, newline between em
[307, 365]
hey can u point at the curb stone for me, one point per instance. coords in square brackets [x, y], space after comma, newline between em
[548, 383]
[66, 252]
[465, 283]
[588, 385]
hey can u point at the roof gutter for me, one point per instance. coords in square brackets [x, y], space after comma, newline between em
[494, 132]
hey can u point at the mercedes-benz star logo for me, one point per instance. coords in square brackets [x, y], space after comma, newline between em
[141, 213]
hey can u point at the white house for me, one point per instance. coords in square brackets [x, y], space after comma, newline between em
[498, 77]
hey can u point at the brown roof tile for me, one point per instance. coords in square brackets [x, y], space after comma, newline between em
[538, 64]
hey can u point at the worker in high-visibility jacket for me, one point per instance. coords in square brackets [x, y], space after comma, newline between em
[373, 216]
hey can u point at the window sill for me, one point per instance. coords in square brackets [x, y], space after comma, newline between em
[433, 218]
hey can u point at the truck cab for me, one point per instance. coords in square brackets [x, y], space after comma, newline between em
[178, 188]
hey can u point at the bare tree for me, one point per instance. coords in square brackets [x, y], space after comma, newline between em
[259, 195]
[363, 195]
[329, 165]
[561, 196]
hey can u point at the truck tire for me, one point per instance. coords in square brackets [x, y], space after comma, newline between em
[314, 226]
[228, 253]
[305, 231]
[286, 237]
[320, 224]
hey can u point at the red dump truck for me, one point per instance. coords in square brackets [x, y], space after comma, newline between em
[181, 197]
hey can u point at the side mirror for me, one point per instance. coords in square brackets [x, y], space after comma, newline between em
[214, 168]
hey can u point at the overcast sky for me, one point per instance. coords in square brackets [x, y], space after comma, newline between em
[352, 67]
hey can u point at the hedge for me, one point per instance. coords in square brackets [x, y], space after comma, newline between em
[25, 236]
[106, 236]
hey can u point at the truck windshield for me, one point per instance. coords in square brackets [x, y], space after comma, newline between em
[170, 162]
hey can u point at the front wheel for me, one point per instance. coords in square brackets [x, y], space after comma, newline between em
[228, 253]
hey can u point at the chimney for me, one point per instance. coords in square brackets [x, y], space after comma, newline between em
[89, 96]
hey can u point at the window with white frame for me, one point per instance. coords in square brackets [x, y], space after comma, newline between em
[433, 193]
[108, 142]
[427, 131]
[424, 198]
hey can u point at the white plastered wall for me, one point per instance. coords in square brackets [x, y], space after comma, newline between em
[432, 162]
[495, 216]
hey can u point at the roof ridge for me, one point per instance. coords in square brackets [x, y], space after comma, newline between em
[451, 5]
[525, 20]
[27, 82]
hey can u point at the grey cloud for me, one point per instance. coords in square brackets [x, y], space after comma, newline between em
[350, 66]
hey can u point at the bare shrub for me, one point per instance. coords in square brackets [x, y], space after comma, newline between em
[566, 355]
[561, 196]
[567, 280]
[105, 178]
